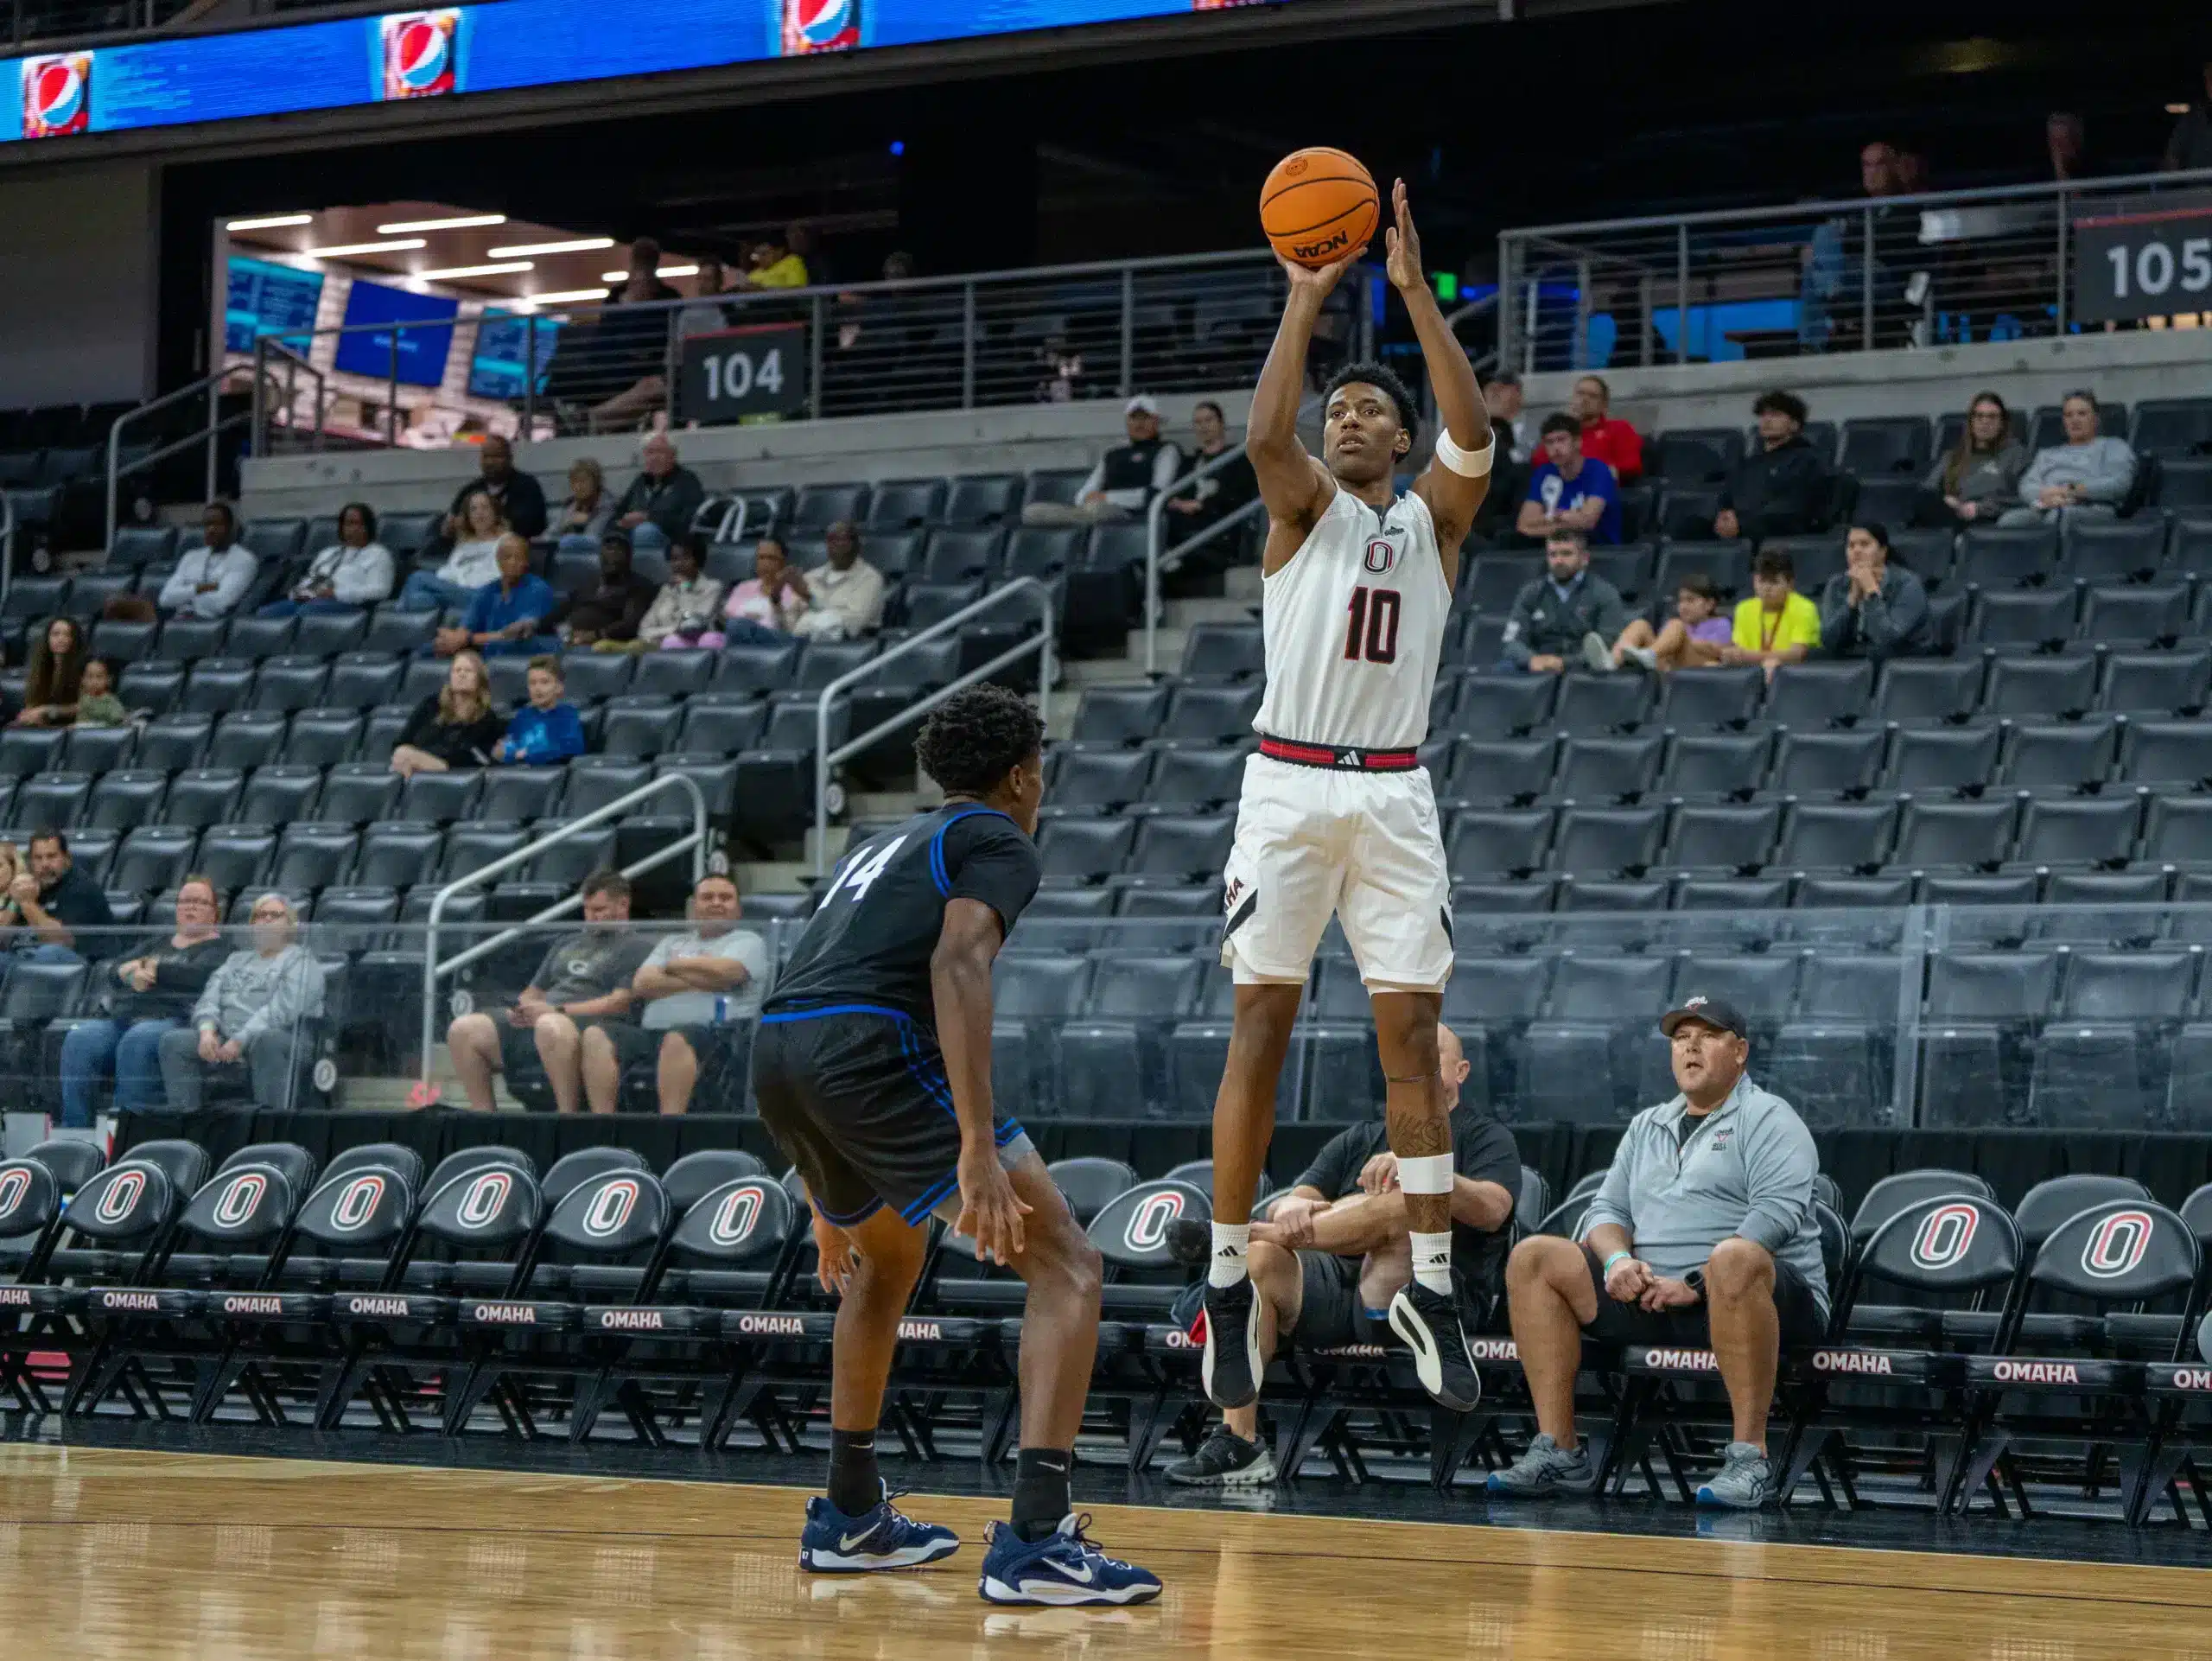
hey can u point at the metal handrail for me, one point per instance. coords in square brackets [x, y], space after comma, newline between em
[264, 347]
[212, 386]
[825, 758]
[695, 840]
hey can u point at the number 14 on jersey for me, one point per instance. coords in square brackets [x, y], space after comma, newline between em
[1371, 632]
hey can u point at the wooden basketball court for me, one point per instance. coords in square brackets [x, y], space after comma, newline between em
[118, 1556]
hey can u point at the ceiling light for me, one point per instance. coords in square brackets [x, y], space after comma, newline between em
[577, 245]
[270, 222]
[456, 271]
[665, 270]
[341, 250]
[402, 228]
[566, 297]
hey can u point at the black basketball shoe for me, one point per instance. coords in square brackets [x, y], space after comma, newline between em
[1429, 1324]
[1232, 1365]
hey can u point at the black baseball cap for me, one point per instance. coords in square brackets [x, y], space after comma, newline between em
[1713, 1012]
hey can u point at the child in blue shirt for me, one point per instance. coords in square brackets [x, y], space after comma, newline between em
[544, 731]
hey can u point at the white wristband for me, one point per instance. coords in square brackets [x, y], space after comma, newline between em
[1467, 464]
[1426, 1174]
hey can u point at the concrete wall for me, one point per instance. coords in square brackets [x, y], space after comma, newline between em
[2132, 366]
[861, 446]
[77, 284]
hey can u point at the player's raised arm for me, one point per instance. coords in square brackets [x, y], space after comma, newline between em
[1457, 477]
[1295, 486]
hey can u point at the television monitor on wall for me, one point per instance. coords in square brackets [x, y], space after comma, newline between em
[265, 298]
[421, 325]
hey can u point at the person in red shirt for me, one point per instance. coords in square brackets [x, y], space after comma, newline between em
[1614, 442]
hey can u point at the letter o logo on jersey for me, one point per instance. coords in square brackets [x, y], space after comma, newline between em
[120, 1197]
[14, 1186]
[1149, 1222]
[1945, 1234]
[357, 1203]
[611, 1207]
[1380, 555]
[2116, 1245]
[735, 1218]
[486, 1198]
[240, 1199]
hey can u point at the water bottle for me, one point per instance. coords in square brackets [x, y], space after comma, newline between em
[721, 1009]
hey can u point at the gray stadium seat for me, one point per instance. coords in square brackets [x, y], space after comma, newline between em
[2031, 617]
[1700, 698]
[1954, 833]
[2021, 687]
[1120, 713]
[1943, 759]
[1601, 704]
[1496, 705]
[1607, 769]
[1827, 763]
[2064, 755]
[2157, 682]
[2088, 831]
[1505, 843]
[1600, 842]
[1927, 690]
[1714, 765]
[1837, 836]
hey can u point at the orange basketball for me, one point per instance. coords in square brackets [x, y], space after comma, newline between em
[1318, 206]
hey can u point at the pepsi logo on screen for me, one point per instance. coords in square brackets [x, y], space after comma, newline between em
[418, 53]
[57, 95]
[821, 25]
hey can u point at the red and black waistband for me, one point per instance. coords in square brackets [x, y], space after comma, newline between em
[1338, 758]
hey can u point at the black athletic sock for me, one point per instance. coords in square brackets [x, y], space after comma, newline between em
[1040, 1491]
[854, 1487]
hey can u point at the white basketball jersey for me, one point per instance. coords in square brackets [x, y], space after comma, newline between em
[1354, 627]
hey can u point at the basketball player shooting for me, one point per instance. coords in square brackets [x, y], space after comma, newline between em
[1337, 813]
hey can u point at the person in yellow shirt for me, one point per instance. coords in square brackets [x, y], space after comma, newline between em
[781, 265]
[1777, 625]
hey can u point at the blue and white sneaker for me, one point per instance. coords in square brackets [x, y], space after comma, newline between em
[834, 1544]
[1062, 1568]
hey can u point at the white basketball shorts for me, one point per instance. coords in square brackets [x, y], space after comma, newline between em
[1367, 846]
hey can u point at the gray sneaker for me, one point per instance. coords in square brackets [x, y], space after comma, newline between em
[1643, 658]
[1545, 1469]
[1745, 1483]
[1597, 656]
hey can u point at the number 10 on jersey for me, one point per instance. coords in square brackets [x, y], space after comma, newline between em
[1371, 630]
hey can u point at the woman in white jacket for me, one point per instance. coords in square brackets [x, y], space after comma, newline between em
[355, 570]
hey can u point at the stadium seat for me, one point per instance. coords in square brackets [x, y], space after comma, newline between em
[236, 858]
[360, 792]
[1603, 842]
[1726, 565]
[2157, 682]
[1498, 844]
[1827, 763]
[721, 722]
[1124, 715]
[1944, 759]
[1700, 698]
[2178, 831]
[1836, 835]
[322, 738]
[313, 854]
[2033, 617]
[1499, 772]
[256, 638]
[2132, 615]
[1607, 769]
[1723, 837]
[1940, 833]
[278, 794]
[246, 739]
[99, 749]
[1873, 445]
[1601, 704]
[1699, 455]
[2090, 830]
[755, 671]
[1508, 703]
[1088, 850]
[987, 498]
[1223, 651]
[202, 797]
[125, 798]
[1920, 692]
[153, 859]
[1043, 553]
[154, 687]
[1188, 777]
[639, 725]
[2065, 756]
[1221, 714]
[2062, 686]
[1032, 994]
[2114, 551]
[2169, 427]
[1991, 558]
[216, 685]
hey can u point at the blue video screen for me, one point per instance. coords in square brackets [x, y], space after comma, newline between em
[268, 299]
[421, 325]
[503, 341]
[497, 46]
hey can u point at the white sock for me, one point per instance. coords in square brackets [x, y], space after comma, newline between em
[1232, 1248]
[1433, 1260]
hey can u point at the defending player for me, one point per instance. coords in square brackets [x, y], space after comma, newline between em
[1337, 814]
[873, 1070]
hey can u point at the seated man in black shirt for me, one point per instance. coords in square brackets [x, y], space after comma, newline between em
[1334, 1250]
[605, 618]
[54, 900]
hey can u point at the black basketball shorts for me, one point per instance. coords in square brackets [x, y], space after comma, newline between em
[855, 1094]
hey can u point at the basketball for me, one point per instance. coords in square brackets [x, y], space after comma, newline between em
[1318, 206]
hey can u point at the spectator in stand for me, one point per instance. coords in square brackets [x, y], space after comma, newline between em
[764, 609]
[1980, 479]
[844, 597]
[2086, 478]
[57, 672]
[1776, 624]
[472, 564]
[150, 993]
[688, 603]
[1503, 397]
[662, 500]
[1508, 472]
[1568, 491]
[353, 571]
[1604, 436]
[1873, 608]
[707, 314]
[583, 982]
[2190, 145]
[781, 265]
[546, 731]
[520, 500]
[455, 726]
[1566, 614]
[1701, 1238]
[51, 902]
[1782, 487]
[699, 990]
[1330, 1255]
[97, 704]
[2066, 136]
[210, 580]
[589, 512]
[511, 618]
[1693, 638]
[1215, 497]
[629, 348]
[1125, 479]
[606, 618]
[247, 1025]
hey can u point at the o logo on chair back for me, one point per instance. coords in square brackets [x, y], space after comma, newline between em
[120, 1197]
[356, 1202]
[1149, 1222]
[736, 1217]
[2116, 1245]
[486, 1197]
[240, 1199]
[14, 1188]
[611, 1207]
[1945, 1234]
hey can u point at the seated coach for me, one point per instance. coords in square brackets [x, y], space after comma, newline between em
[1702, 1237]
[1334, 1250]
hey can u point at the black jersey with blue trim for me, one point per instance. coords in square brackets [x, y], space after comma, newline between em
[872, 936]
